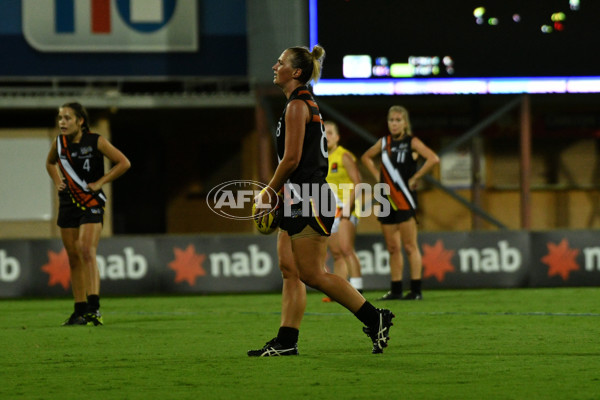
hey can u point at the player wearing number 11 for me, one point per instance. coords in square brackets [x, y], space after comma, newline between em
[76, 165]
[399, 152]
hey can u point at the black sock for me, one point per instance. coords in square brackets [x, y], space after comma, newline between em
[93, 302]
[397, 287]
[415, 286]
[287, 336]
[368, 315]
[80, 307]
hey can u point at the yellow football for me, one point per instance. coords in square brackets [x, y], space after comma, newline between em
[267, 221]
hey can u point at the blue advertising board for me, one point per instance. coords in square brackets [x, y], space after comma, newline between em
[123, 38]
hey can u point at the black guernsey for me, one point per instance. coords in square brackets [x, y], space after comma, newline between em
[82, 163]
[313, 165]
[317, 205]
[397, 167]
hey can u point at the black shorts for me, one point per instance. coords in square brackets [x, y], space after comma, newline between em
[72, 215]
[397, 216]
[296, 223]
[319, 216]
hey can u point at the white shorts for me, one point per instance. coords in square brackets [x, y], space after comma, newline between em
[336, 222]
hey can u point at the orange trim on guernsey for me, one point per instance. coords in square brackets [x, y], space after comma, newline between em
[85, 199]
[397, 195]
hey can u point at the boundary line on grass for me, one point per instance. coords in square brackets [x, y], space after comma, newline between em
[434, 313]
[322, 314]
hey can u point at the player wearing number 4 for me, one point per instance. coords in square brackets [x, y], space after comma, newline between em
[302, 242]
[76, 165]
[399, 152]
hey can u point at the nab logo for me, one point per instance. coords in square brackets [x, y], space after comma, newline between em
[111, 25]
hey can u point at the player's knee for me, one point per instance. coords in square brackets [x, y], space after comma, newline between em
[87, 253]
[410, 248]
[346, 250]
[288, 270]
[72, 252]
[336, 255]
[393, 248]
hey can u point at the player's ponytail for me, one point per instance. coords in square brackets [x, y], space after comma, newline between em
[310, 62]
[318, 54]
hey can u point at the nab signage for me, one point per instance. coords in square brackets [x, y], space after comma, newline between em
[111, 25]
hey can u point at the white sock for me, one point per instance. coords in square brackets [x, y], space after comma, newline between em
[357, 283]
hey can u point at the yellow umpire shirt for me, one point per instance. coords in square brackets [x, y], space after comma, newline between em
[338, 175]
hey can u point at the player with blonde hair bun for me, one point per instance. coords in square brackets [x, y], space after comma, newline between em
[302, 240]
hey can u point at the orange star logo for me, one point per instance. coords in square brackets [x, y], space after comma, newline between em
[436, 261]
[187, 265]
[58, 269]
[561, 259]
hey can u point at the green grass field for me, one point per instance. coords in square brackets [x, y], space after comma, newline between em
[468, 344]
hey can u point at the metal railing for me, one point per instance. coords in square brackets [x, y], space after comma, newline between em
[128, 92]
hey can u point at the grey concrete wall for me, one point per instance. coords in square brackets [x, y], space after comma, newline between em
[273, 26]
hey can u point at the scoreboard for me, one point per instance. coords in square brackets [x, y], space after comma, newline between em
[457, 46]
